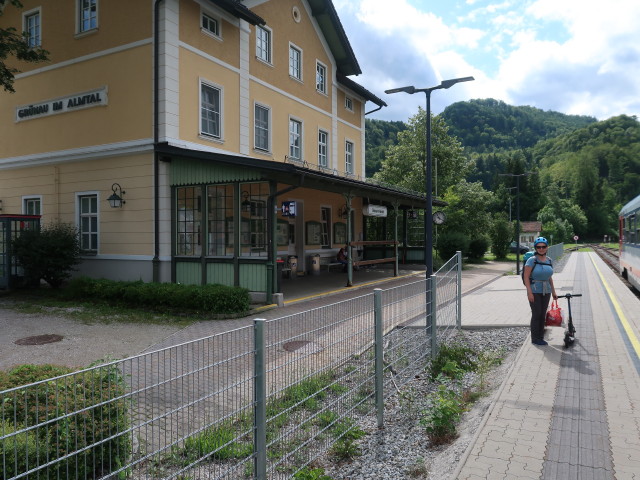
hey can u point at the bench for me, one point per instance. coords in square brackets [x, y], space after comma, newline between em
[329, 262]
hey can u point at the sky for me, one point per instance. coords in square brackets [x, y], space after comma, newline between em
[578, 57]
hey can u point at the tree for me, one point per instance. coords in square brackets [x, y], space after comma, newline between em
[501, 234]
[468, 209]
[404, 165]
[48, 253]
[14, 44]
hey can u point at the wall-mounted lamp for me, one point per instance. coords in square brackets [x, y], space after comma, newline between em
[245, 206]
[343, 211]
[115, 200]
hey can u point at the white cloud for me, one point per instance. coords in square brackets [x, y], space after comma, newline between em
[573, 56]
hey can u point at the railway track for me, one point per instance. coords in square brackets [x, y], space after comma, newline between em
[610, 257]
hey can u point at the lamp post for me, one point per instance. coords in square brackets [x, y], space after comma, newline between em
[428, 214]
[517, 175]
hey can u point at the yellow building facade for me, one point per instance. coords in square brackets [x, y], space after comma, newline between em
[231, 131]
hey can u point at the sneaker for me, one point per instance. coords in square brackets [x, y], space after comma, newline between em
[539, 342]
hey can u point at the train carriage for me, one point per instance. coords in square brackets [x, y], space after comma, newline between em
[629, 224]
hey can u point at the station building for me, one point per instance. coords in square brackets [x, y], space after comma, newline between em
[191, 141]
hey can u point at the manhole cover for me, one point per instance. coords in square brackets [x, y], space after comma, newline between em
[302, 346]
[39, 339]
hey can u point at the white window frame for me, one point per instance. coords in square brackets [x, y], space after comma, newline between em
[295, 136]
[321, 77]
[323, 148]
[217, 34]
[264, 54]
[348, 103]
[79, 17]
[80, 215]
[26, 199]
[349, 155]
[26, 16]
[255, 127]
[211, 136]
[295, 62]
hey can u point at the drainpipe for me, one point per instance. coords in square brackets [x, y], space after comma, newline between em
[156, 135]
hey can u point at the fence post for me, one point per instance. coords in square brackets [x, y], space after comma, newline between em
[459, 291]
[260, 401]
[379, 354]
[434, 314]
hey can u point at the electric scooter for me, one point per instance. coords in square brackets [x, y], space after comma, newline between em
[570, 332]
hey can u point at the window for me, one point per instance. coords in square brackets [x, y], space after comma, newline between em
[295, 62]
[348, 157]
[253, 210]
[88, 15]
[295, 140]
[220, 220]
[323, 141]
[32, 28]
[210, 25]
[348, 103]
[189, 219]
[263, 44]
[210, 111]
[325, 226]
[261, 128]
[321, 78]
[31, 205]
[88, 222]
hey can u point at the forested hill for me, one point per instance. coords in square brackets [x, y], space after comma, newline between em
[489, 125]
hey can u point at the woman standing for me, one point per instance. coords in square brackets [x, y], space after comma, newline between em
[538, 271]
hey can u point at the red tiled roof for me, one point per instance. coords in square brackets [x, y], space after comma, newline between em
[530, 227]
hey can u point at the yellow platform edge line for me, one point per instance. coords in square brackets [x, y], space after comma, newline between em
[623, 319]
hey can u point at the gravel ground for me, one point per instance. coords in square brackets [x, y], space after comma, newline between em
[402, 449]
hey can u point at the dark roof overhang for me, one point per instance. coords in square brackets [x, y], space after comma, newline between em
[359, 89]
[304, 176]
[237, 9]
[325, 14]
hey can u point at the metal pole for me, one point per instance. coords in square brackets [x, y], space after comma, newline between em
[379, 355]
[428, 214]
[260, 401]
[518, 224]
[459, 290]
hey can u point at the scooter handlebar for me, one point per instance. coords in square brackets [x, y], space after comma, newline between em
[570, 295]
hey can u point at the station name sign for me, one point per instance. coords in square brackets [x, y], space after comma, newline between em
[374, 210]
[78, 101]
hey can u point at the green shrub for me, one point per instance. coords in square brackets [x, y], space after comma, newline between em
[442, 417]
[216, 299]
[453, 359]
[49, 253]
[450, 242]
[22, 451]
[96, 432]
[309, 473]
[478, 247]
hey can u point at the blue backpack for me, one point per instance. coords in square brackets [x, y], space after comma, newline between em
[526, 257]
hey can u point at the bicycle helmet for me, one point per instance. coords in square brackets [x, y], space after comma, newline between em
[540, 240]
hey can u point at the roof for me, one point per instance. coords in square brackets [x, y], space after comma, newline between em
[530, 227]
[631, 207]
[359, 89]
[304, 176]
[237, 9]
[325, 14]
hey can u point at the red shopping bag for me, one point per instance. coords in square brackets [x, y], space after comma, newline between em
[554, 315]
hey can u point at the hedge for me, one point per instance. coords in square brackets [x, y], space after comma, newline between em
[210, 299]
[52, 430]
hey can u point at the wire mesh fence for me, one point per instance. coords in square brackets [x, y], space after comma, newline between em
[262, 401]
